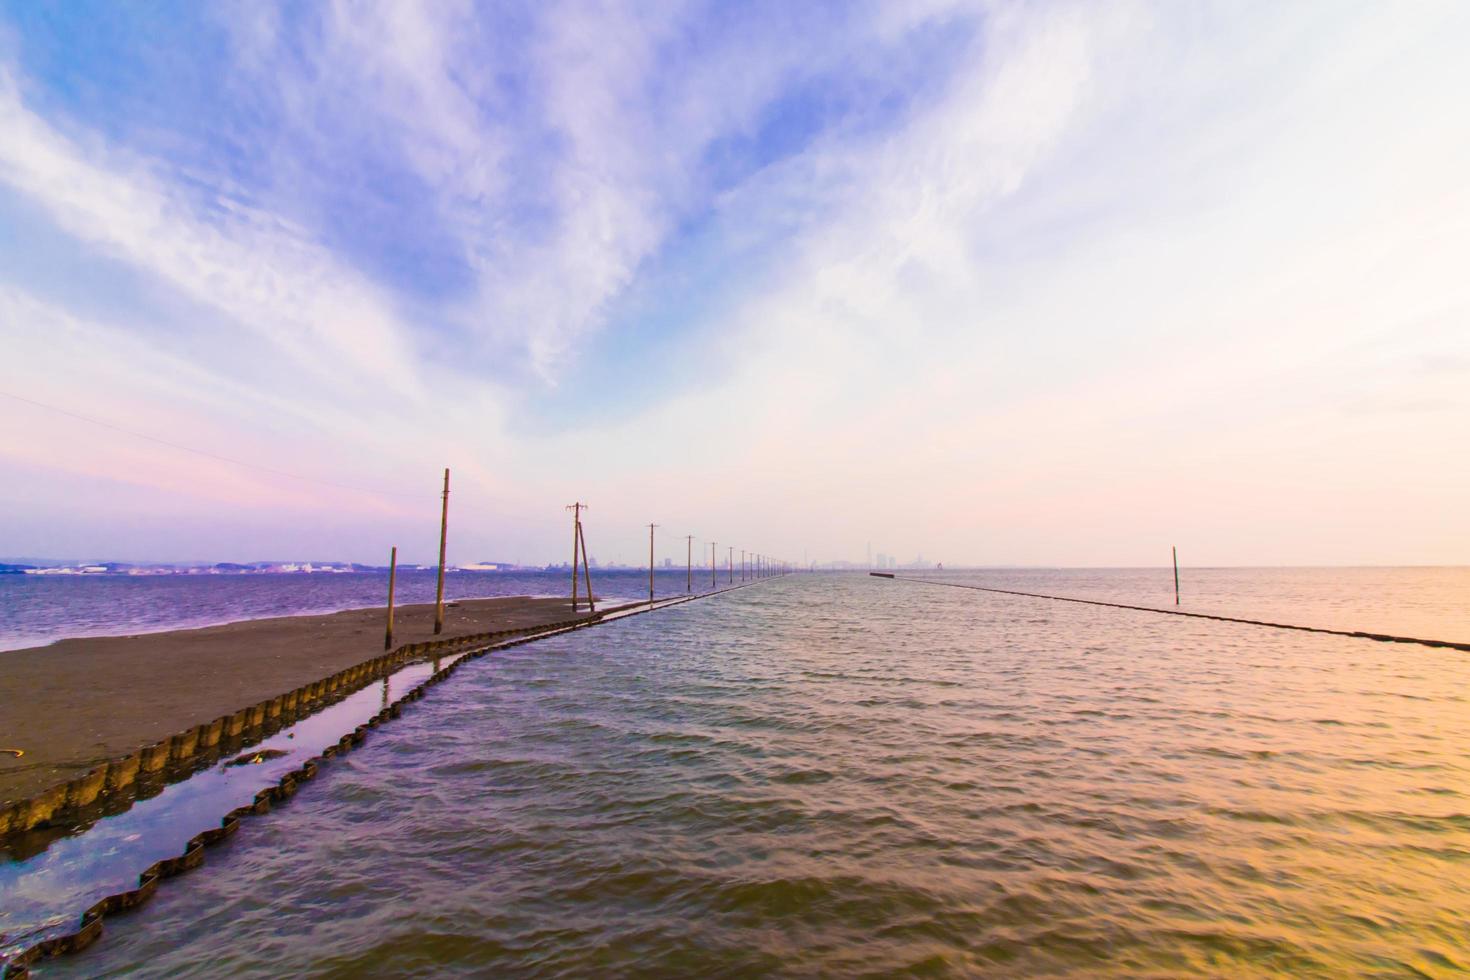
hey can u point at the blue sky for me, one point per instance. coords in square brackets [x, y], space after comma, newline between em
[1037, 283]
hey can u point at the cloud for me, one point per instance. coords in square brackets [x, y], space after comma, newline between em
[265, 275]
[911, 373]
[1007, 281]
[561, 148]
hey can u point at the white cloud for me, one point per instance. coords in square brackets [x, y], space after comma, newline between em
[1184, 365]
[265, 275]
[1126, 272]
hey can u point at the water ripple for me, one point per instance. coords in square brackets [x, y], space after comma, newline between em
[836, 776]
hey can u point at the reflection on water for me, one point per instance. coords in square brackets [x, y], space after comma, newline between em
[838, 775]
[47, 888]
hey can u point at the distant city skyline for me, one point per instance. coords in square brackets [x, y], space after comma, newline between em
[1057, 284]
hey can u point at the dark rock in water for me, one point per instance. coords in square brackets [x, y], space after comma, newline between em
[252, 758]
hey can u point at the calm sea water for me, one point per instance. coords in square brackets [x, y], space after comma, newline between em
[39, 609]
[840, 775]
[1432, 603]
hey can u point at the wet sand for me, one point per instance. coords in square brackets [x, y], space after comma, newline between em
[74, 703]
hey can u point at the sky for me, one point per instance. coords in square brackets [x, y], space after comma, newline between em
[992, 283]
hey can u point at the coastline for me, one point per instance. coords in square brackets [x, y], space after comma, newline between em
[75, 702]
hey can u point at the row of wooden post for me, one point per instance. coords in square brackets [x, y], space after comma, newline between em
[760, 566]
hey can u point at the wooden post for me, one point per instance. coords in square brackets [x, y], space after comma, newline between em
[576, 532]
[586, 575]
[392, 577]
[443, 537]
[1175, 549]
[650, 563]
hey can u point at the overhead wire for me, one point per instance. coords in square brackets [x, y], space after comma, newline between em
[1357, 634]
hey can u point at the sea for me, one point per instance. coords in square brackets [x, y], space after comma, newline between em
[840, 775]
[40, 609]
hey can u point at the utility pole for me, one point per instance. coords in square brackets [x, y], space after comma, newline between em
[650, 563]
[392, 576]
[443, 537]
[1175, 549]
[586, 566]
[576, 510]
[742, 564]
[689, 563]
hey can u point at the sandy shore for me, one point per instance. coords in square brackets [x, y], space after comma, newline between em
[74, 703]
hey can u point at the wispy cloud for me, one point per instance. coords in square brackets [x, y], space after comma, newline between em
[1049, 257]
[266, 275]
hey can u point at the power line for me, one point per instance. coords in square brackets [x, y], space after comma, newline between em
[205, 452]
[1357, 634]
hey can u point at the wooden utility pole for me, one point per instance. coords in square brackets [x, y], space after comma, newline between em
[576, 510]
[1175, 549]
[392, 577]
[443, 537]
[689, 563]
[650, 563]
[586, 573]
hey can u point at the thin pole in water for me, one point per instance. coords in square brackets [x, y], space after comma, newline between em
[443, 537]
[576, 510]
[392, 576]
[650, 563]
[689, 563]
[1175, 549]
[712, 564]
[730, 564]
[586, 566]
